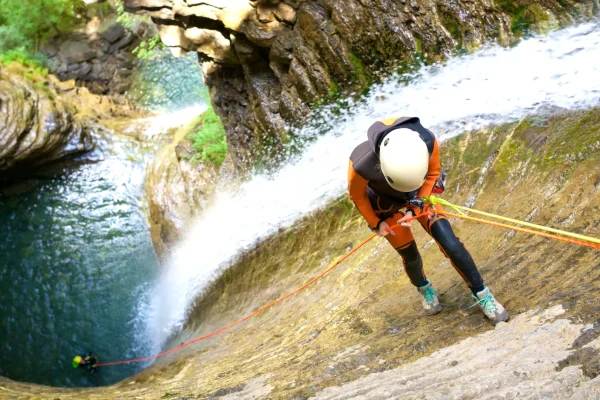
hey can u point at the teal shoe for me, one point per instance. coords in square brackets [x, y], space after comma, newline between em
[490, 306]
[430, 299]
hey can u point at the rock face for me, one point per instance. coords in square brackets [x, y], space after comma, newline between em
[37, 128]
[266, 61]
[177, 191]
[474, 368]
[98, 55]
[45, 121]
[362, 325]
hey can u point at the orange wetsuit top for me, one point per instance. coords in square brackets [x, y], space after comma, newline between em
[367, 186]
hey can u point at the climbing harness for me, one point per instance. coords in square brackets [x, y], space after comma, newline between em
[427, 206]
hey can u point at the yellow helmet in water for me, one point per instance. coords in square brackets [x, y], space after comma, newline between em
[76, 361]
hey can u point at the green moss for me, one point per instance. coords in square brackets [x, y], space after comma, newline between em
[360, 71]
[453, 26]
[522, 15]
[208, 139]
[418, 45]
[334, 91]
[477, 153]
[511, 154]
[356, 323]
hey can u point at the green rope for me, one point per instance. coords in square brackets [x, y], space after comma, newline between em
[433, 200]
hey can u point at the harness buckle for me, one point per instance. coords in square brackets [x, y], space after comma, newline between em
[418, 203]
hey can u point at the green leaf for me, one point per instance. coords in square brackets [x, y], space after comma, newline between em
[208, 140]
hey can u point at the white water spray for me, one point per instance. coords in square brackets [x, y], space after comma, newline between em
[161, 123]
[495, 85]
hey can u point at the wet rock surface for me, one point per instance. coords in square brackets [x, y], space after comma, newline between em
[177, 191]
[46, 123]
[365, 317]
[37, 128]
[266, 62]
[98, 54]
[492, 365]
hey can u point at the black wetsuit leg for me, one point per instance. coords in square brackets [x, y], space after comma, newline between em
[459, 256]
[413, 264]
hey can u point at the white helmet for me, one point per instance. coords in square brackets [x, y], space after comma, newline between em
[404, 159]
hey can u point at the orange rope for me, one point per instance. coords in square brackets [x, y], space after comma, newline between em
[231, 325]
[271, 304]
[335, 264]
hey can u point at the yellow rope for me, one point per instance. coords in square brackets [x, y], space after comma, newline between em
[433, 200]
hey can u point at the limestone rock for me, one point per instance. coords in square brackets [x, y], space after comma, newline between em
[361, 333]
[212, 43]
[76, 51]
[177, 190]
[112, 31]
[37, 128]
[97, 52]
[475, 368]
[123, 42]
[174, 36]
[304, 50]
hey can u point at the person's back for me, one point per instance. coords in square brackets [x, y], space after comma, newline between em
[87, 361]
[388, 175]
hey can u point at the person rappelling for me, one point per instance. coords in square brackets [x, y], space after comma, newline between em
[86, 361]
[388, 173]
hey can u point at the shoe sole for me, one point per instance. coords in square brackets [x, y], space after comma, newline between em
[505, 316]
[434, 311]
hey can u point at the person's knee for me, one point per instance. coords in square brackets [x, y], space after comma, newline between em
[442, 232]
[410, 253]
[413, 264]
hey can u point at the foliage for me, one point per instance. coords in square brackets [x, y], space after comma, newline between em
[100, 8]
[146, 50]
[26, 23]
[123, 17]
[35, 63]
[12, 38]
[208, 140]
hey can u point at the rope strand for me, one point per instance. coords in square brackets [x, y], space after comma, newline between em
[429, 210]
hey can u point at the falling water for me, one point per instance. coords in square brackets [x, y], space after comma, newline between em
[76, 258]
[495, 85]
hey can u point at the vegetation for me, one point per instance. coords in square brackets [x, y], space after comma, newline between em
[24, 24]
[35, 63]
[146, 50]
[523, 15]
[123, 18]
[208, 140]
